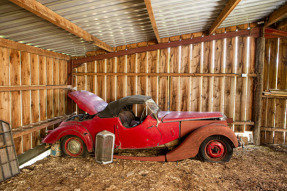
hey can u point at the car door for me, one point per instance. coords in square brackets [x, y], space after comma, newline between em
[145, 135]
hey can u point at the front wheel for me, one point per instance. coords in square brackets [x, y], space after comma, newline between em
[215, 149]
[73, 146]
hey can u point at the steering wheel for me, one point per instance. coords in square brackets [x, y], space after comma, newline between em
[142, 115]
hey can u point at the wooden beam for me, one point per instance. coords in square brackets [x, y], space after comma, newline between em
[274, 33]
[260, 50]
[277, 15]
[162, 74]
[18, 88]
[152, 19]
[31, 49]
[243, 123]
[20, 131]
[273, 129]
[253, 32]
[56, 19]
[223, 14]
[275, 93]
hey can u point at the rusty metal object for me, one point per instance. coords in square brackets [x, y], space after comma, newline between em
[190, 146]
[156, 158]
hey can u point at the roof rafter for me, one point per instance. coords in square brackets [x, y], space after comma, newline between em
[56, 19]
[223, 15]
[277, 15]
[152, 19]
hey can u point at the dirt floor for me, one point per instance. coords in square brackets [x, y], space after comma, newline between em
[253, 168]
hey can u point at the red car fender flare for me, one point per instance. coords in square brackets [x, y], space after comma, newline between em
[190, 146]
[76, 130]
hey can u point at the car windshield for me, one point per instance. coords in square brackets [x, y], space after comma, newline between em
[152, 106]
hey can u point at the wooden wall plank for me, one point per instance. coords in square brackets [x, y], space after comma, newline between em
[207, 67]
[280, 106]
[142, 80]
[111, 85]
[62, 92]
[264, 112]
[15, 79]
[229, 82]
[273, 58]
[217, 84]
[266, 65]
[250, 85]
[35, 107]
[163, 98]
[121, 80]
[91, 67]
[43, 93]
[174, 81]
[26, 97]
[241, 83]
[50, 97]
[5, 106]
[131, 80]
[4, 66]
[34, 62]
[16, 117]
[81, 83]
[26, 118]
[56, 80]
[195, 68]
[282, 66]
[15, 67]
[4, 81]
[153, 81]
[185, 82]
[101, 84]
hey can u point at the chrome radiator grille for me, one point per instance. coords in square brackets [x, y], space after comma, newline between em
[104, 147]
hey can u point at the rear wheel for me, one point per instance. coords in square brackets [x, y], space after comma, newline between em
[74, 146]
[215, 149]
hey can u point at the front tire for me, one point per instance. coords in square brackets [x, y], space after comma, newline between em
[215, 149]
[73, 146]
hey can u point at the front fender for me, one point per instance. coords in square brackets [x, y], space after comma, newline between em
[190, 146]
[76, 129]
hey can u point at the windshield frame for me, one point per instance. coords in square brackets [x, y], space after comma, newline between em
[150, 103]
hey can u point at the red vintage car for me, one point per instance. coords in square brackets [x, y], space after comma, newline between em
[202, 134]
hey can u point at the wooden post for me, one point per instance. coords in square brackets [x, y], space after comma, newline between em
[259, 65]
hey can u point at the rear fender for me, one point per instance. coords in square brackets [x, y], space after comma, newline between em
[190, 146]
[77, 130]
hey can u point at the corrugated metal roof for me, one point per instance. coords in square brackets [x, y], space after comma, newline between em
[176, 17]
[121, 22]
[115, 22]
[20, 25]
[249, 11]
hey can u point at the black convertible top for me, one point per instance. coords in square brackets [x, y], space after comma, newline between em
[114, 108]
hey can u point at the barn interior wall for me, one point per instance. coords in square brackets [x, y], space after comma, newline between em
[273, 130]
[218, 82]
[20, 67]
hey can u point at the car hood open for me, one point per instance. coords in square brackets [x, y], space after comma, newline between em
[170, 116]
[88, 101]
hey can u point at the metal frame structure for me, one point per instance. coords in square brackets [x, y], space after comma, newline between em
[9, 163]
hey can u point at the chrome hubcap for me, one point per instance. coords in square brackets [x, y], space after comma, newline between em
[74, 146]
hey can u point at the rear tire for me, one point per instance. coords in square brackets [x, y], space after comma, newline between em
[215, 149]
[73, 146]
